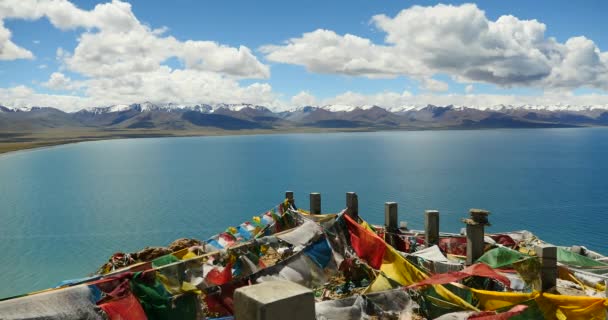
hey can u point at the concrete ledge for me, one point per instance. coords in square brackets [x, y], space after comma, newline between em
[274, 300]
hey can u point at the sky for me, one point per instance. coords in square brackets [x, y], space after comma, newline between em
[283, 54]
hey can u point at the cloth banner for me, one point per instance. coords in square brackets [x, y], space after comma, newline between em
[478, 269]
[384, 305]
[66, 303]
[501, 257]
[366, 244]
[124, 308]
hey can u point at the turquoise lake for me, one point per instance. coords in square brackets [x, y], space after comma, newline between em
[65, 210]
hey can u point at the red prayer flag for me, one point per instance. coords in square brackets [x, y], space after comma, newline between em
[217, 277]
[478, 269]
[367, 244]
[124, 308]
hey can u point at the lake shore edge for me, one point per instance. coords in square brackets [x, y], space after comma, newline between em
[12, 142]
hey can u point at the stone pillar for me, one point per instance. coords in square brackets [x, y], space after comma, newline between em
[352, 205]
[475, 225]
[315, 203]
[391, 218]
[431, 227]
[289, 197]
[548, 270]
[274, 300]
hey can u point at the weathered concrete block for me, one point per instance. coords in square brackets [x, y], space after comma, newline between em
[391, 216]
[315, 203]
[352, 205]
[475, 243]
[390, 222]
[289, 196]
[274, 300]
[431, 227]
[548, 271]
[546, 252]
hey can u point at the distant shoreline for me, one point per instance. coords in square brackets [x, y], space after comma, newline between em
[13, 142]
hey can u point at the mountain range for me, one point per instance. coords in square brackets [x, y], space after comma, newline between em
[170, 116]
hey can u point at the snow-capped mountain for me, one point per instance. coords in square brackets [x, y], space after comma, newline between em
[149, 107]
[240, 107]
[173, 107]
[210, 108]
[175, 116]
[19, 109]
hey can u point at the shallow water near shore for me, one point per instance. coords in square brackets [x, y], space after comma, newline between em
[65, 210]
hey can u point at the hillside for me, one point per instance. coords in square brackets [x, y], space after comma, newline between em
[32, 127]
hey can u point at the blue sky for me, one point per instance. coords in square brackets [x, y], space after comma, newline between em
[290, 71]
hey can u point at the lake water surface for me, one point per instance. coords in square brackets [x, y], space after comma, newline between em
[65, 210]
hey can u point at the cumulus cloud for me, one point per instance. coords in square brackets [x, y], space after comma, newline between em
[22, 96]
[8, 49]
[59, 81]
[119, 59]
[324, 51]
[185, 86]
[123, 60]
[433, 85]
[384, 99]
[109, 54]
[116, 42]
[163, 86]
[390, 99]
[457, 40]
[304, 98]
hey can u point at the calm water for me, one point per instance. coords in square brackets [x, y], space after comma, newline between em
[65, 210]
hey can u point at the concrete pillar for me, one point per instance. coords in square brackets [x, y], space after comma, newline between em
[274, 300]
[431, 227]
[548, 270]
[289, 197]
[391, 218]
[352, 205]
[475, 243]
[475, 224]
[315, 203]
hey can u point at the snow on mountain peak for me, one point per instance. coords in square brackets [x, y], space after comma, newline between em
[206, 108]
[339, 108]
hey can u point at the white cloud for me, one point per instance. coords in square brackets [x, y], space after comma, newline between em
[42, 66]
[324, 51]
[22, 96]
[8, 49]
[390, 99]
[163, 86]
[304, 98]
[184, 86]
[433, 85]
[123, 60]
[116, 42]
[456, 40]
[394, 99]
[384, 99]
[59, 81]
